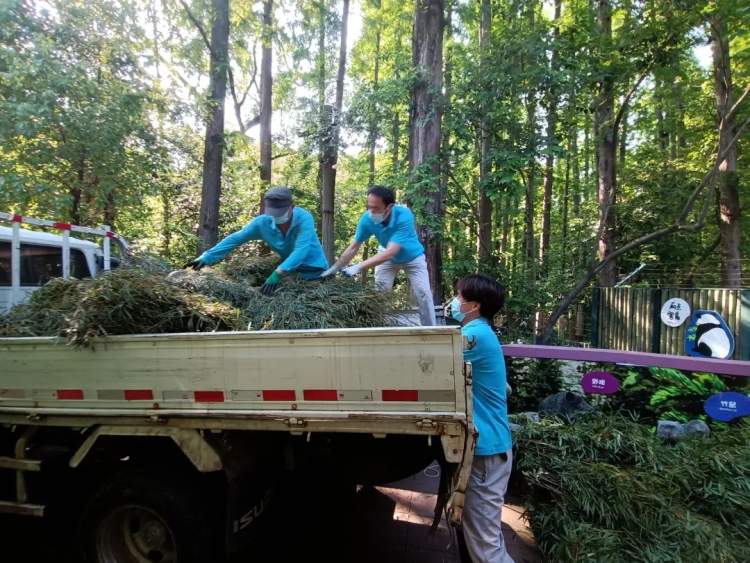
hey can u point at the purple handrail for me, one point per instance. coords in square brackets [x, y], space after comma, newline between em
[646, 359]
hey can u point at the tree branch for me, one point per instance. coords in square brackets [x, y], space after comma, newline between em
[230, 74]
[678, 225]
[463, 192]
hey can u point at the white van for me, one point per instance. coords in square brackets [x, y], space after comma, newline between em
[41, 260]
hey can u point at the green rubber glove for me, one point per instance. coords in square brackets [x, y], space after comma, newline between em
[270, 284]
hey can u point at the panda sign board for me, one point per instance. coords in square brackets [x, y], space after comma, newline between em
[709, 336]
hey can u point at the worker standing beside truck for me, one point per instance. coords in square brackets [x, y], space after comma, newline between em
[478, 301]
[394, 228]
[288, 230]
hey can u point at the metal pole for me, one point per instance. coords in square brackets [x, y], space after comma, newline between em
[105, 245]
[66, 253]
[15, 264]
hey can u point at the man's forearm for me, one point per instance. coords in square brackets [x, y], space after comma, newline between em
[347, 256]
[379, 258]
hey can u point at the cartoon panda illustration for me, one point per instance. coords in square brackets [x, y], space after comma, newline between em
[711, 339]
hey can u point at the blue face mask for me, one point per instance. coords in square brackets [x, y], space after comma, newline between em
[456, 310]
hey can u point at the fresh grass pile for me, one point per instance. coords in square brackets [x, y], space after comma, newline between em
[124, 301]
[131, 300]
[606, 489]
[331, 303]
[246, 266]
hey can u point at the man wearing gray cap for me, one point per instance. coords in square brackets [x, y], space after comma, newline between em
[288, 230]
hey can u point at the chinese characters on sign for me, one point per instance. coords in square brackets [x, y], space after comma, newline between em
[727, 406]
[600, 383]
[675, 311]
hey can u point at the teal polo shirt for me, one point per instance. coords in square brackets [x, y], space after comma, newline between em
[299, 248]
[482, 348]
[400, 228]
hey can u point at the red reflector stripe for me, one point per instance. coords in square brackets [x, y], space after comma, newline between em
[17, 219]
[139, 395]
[320, 395]
[279, 395]
[109, 234]
[209, 396]
[70, 394]
[62, 226]
[400, 395]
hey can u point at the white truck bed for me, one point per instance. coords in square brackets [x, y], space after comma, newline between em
[380, 381]
[384, 380]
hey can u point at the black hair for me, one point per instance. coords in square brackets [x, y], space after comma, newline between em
[384, 193]
[484, 290]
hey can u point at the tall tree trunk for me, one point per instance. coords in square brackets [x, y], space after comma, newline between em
[110, 209]
[729, 201]
[324, 120]
[331, 151]
[445, 169]
[214, 143]
[623, 137]
[166, 193]
[507, 210]
[573, 155]
[77, 190]
[549, 175]
[586, 157]
[266, 98]
[680, 117]
[424, 128]
[373, 136]
[485, 203]
[662, 133]
[566, 194]
[396, 125]
[606, 144]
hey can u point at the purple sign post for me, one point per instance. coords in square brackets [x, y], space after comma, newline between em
[600, 383]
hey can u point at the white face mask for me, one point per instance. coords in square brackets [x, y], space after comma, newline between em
[377, 218]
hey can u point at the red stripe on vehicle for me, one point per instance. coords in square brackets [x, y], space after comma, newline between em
[320, 395]
[400, 395]
[17, 219]
[279, 395]
[70, 394]
[209, 396]
[139, 395]
[62, 226]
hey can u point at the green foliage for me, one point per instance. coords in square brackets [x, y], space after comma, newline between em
[531, 381]
[669, 394]
[131, 300]
[606, 489]
[124, 301]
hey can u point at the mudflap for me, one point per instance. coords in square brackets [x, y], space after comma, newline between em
[252, 465]
[447, 471]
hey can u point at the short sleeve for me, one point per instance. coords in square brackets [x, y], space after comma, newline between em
[363, 232]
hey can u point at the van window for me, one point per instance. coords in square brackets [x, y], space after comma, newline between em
[40, 263]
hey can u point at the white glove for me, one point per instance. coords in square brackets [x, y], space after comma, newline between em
[330, 271]
[351, 271]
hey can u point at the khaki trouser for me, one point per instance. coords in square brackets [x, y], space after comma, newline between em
[419, 280]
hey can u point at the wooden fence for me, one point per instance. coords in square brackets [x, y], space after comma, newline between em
[629, 318]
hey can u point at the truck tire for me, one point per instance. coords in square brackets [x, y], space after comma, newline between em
[138, 518]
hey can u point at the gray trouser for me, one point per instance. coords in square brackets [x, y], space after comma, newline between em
[419, 280]
[483, 508]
